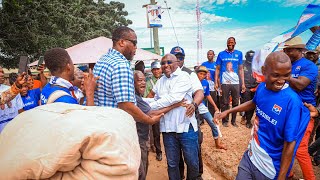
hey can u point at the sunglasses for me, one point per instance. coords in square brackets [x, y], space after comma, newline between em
[167, 62]
[134, 42]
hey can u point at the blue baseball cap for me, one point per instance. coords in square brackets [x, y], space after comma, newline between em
[177, 50]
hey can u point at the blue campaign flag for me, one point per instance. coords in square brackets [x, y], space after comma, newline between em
[310, 17]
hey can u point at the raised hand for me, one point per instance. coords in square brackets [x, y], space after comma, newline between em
[21, 79]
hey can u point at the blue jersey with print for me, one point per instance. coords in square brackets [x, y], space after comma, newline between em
[306, 68]
[280, 117]
[229, 64]
[49, 89]
[32, 98]
[211, 66]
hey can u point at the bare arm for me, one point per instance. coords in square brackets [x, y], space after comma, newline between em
[241, 73]
[286, 158]
[299, 83]
[90, 83]
[43, 78]
[314, 111]
[212, 103]
[247, 106]
[14, 90]
[137, 114]
[216, 78]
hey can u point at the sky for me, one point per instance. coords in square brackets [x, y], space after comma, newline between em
[252, 22]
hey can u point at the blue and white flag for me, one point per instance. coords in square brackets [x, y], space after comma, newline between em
[310, 17]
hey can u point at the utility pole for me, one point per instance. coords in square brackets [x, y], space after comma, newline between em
[155, 35]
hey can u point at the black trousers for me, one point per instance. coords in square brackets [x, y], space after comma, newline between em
[156, 137]
[247, 96]
[234, 91]
[216, 100]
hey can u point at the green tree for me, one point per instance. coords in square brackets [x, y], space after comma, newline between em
[30, 27]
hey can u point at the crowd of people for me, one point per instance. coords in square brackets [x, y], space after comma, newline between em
[174, 101]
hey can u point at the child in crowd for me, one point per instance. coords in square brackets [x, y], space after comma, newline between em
[203, 110]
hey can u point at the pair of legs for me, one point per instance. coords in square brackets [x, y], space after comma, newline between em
[234, 91]
[188, 143]
[247, 96]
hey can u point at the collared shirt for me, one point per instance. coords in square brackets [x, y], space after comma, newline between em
[169, 91]
[149, 85]
[116, 80]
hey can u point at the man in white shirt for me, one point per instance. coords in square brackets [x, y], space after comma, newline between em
[179, 128]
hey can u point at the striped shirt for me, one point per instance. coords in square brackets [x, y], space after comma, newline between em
[116, 82]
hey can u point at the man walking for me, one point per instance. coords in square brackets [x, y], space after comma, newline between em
[116, 84]
[229, 72]
[178, 129]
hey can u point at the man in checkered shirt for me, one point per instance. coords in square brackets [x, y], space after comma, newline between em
[116, 84]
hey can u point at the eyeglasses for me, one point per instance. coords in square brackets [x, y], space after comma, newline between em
[167, 62]
[134, 42]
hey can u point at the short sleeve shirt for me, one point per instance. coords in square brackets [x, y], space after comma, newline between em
[142, 128]
[280, 116]
[116, 80]
[229, 66]
[32, 98]
[306, 68]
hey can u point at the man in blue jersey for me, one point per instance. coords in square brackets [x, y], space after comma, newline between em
[281, 120]
[59, 88]
[303, 81]
[229, 72]
[211, 66]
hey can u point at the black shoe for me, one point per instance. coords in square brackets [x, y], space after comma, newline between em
[249, 125]
[225, 124]
[234, 124]
[159, 157]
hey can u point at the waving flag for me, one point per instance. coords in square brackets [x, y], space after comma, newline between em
[310, 17]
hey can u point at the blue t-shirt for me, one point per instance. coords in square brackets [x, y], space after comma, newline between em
[229, 64]
[211, 66]
[306, 68]
[206, 89]
[280, 116]
[31, 100]
[49, 89]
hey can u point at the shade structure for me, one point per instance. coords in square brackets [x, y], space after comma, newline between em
[90, 52]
